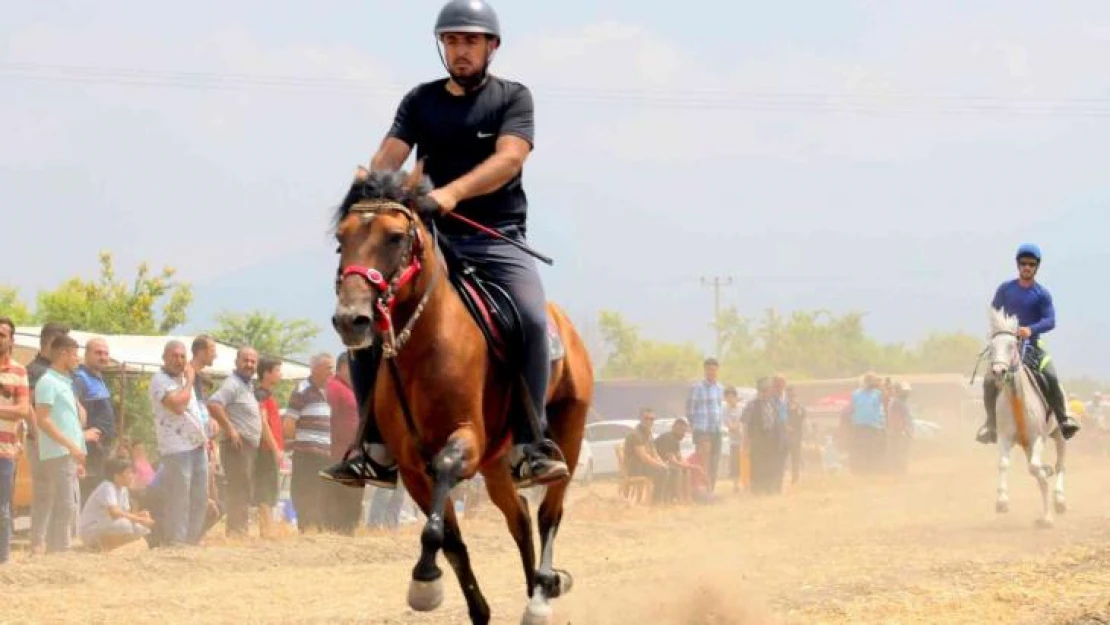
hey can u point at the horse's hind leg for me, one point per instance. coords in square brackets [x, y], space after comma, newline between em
[1060, 500]
[1002, 504]
[1041, 472]
[551, 583]
[426, 589]
[568, 421]
[514, 507]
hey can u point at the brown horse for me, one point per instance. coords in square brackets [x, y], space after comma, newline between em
[446, 393]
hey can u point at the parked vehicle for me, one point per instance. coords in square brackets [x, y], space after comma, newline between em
[584, 470]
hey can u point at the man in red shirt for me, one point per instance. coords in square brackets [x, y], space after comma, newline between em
[344, 502]
[267, 466]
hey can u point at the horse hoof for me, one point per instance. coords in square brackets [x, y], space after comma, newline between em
[1043, 524]
[538, 612]
[425, 596]
[554, 584]
[566, 582]
[1061, 506]
[1002, 507]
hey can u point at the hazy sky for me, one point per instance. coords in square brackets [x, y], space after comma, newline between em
[885, 156]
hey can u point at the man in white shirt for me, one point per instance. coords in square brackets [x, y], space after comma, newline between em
[181, 442]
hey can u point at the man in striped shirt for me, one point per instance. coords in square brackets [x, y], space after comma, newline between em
[15, 409]
[308, 427]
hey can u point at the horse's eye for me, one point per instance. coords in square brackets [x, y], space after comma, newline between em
[396, 238]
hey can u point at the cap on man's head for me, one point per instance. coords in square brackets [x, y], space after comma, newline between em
[711, 362]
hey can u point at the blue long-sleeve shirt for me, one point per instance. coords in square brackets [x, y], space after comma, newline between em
[1032, 306]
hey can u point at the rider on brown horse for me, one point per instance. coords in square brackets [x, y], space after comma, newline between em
[475, 131]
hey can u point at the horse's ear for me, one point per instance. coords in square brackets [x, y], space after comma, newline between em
[413, 181]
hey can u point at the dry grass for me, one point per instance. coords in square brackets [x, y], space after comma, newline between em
[927, 548]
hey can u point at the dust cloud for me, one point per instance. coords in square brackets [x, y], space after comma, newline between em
[926, 547]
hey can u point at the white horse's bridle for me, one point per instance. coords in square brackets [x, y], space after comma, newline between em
[1013, 363]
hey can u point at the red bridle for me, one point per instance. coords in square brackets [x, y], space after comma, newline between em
[408, 272]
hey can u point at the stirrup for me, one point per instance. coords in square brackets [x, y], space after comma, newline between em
[524, 474]
[359, 471]
[987, 435]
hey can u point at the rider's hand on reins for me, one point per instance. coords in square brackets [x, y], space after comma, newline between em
[428, 207]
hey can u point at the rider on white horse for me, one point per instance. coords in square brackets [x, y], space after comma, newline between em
[1031, 303]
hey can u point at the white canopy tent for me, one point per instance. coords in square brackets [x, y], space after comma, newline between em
[143, 354]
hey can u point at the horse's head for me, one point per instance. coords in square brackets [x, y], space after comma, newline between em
[382, 246]
[1004, 346]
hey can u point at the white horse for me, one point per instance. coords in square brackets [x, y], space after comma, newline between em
[1023, 418]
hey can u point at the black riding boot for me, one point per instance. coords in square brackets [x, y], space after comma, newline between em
[535, 460]
[988, 433]
[1068, 425]
[368, 461]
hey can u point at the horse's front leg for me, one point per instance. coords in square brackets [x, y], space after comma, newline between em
[426, 589]
[454, 549]
[1060, 502]
[1005, 446]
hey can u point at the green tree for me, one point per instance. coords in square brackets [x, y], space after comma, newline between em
[629, 356]
[12, 306]
[947, 352]
[803, 344]
[109, 305]
[265, 332]
[112, 306]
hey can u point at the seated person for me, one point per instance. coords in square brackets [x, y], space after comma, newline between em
[641, 458]
[698, 479]
[669, 447]
[106, 521]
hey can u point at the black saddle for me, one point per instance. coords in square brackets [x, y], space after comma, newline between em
[490, 305]
[1033, 366]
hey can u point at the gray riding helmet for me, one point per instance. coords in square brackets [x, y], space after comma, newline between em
[467, 16]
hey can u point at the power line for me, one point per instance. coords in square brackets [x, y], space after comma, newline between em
[699, 99]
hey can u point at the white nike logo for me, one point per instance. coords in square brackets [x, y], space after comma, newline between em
[484, 135]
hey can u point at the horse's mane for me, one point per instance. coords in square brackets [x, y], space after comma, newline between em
[1001, 322]
[381, 185]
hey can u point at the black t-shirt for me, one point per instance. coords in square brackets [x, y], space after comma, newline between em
[638, 437]
[458, 133]
[668, 446]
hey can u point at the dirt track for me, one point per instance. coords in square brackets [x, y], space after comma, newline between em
[924, 549]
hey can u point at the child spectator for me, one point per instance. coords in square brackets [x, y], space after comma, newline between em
[107, 522]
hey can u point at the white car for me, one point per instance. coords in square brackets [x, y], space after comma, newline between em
[605, 436]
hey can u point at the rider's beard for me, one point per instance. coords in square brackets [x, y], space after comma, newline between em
[471, 80]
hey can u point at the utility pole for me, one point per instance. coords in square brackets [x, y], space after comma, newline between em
[717, 282]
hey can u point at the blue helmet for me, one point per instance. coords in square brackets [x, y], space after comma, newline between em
[1028, 249]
